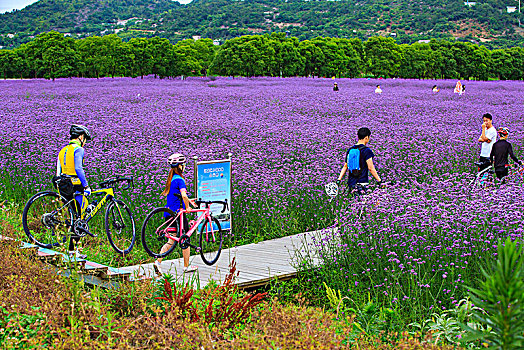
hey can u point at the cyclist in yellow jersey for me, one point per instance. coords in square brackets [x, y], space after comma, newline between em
[70, 162]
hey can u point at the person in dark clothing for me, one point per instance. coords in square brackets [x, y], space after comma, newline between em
[359, 163]
[335, 87]
[500, 152]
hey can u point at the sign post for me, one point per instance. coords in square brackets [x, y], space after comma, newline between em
[213, 183]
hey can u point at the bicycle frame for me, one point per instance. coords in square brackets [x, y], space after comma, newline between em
[109, 194]
[480, 174]
[86, 217]
[107, 190]
[206, 214]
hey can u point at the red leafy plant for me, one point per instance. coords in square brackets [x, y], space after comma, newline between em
[179, 298]
[223, 306]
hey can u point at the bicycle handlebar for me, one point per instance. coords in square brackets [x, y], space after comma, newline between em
[514, 165]
[113, 181]
[208, 203]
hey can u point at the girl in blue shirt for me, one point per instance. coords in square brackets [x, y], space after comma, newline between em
[176, 185]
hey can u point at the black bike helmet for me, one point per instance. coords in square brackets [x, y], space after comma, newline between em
[77, 130]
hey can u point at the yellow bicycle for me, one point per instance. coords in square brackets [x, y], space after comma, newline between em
[49, 218]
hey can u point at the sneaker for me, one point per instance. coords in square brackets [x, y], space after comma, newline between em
[156, 266]
[77, 255]
[190, 268]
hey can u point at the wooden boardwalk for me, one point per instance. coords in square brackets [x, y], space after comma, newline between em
[256, 264]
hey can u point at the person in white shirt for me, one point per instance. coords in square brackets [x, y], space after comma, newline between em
[378, 90]
[487, 139]
[458, 88]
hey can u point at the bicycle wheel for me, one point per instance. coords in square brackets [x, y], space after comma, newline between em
[211, 236]
[472, 181]
[47, 218]
[120, 227]
[154, 231]
[480, 181]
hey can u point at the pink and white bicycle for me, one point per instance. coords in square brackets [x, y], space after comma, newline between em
[162, 224]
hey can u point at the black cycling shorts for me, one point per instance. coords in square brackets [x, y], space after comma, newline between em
[184, 221]
[484, 163]
[501, 173]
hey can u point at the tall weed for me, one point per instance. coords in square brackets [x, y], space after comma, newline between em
[500, 300]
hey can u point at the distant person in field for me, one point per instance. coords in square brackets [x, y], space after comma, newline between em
[378, 90]
[435, 89]
[500, 152]
[458, 88]
[487, 139]
[335, 87]
[176, 196]
[463, 90]
[70, 162]
[359, 163]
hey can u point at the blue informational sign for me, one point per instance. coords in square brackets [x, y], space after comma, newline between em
[214, 184]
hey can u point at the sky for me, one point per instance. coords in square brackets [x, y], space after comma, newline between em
[9, 5]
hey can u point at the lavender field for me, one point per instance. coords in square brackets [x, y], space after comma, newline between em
[417, 242]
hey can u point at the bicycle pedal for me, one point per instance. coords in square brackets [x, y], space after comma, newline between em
[80, 232]
[83, 232]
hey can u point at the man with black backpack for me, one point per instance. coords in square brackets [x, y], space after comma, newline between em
[359, 162]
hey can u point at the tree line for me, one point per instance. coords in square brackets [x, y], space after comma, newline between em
[52, 55]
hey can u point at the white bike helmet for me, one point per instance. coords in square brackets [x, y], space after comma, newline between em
[176, 159]
[503, 131]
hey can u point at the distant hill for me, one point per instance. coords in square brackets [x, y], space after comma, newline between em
[486, 21]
